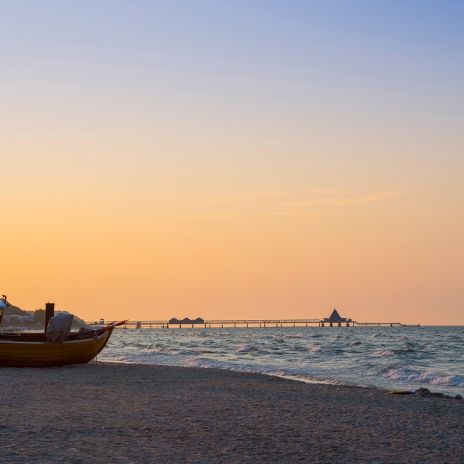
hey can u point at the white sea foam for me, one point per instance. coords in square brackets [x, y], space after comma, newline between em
[247, 348]
[427, 377]
[315, 349]
[384, 353]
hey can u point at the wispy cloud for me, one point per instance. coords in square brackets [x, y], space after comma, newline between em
[326, 202]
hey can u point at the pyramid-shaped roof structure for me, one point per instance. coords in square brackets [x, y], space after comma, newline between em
[335, 317]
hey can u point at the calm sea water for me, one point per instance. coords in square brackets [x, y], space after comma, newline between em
[391, 358]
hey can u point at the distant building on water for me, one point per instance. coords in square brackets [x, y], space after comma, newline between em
[186, 320]
[335, 317]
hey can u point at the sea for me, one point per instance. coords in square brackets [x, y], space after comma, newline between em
[392, 358]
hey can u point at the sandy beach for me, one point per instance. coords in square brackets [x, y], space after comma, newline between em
[120, 413]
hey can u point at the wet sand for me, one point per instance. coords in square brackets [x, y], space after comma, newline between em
[116, 413]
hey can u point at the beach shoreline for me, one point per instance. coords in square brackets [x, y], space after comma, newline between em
[115, 412]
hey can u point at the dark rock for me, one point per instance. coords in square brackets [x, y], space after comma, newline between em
[423, 392]
[458, 397]
[401, 392]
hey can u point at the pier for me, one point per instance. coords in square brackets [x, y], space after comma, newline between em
[335, 320]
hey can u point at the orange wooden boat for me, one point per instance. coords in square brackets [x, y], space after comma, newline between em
[31, 349]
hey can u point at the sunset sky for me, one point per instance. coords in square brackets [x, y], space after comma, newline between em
[231, 159]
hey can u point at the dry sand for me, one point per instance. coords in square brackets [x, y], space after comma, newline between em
[115, 413]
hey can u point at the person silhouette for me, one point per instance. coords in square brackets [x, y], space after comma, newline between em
[3, 304]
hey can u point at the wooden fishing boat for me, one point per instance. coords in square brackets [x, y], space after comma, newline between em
[32, 349]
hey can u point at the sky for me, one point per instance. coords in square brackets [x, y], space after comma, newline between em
[245, 159]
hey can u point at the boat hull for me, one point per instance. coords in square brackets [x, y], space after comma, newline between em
[45, 354]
